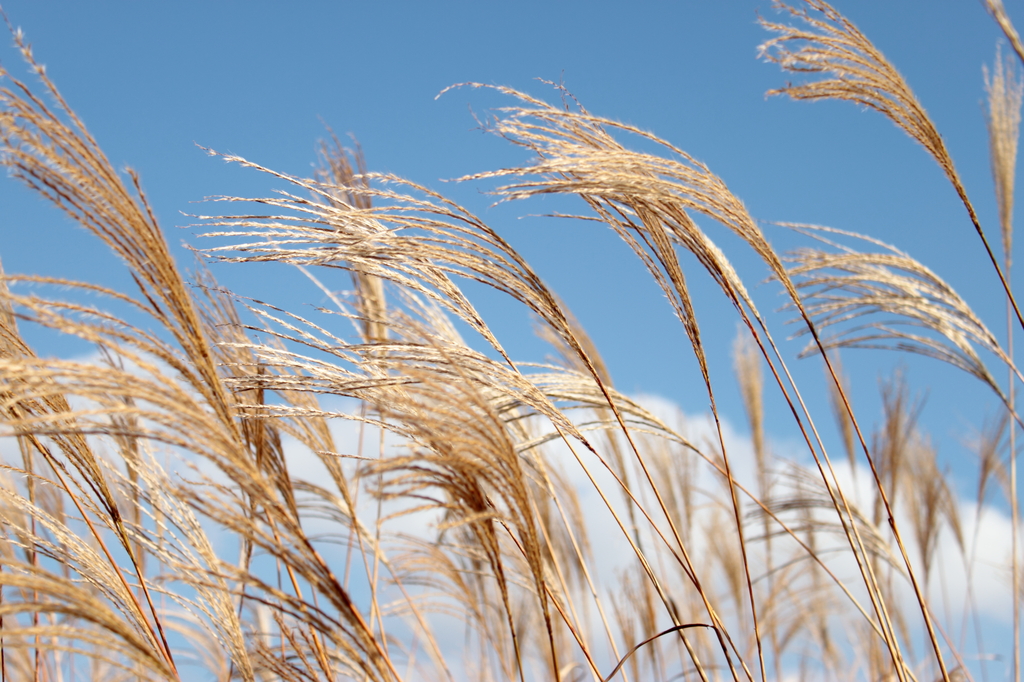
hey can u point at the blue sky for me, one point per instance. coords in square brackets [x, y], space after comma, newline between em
[261, 80]
[153, 81]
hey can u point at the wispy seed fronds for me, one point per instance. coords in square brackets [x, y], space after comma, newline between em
[1005, 91]
[853, 69]
[847, 285]
[50, 151]
[410, 236]
[648, 194]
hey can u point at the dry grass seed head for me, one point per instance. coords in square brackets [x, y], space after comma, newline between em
[87, 588]
[63, 163]
[1005, 91]
[416, 239]
[846, 285]
[853, 69]
[645, 198]
[464, 453]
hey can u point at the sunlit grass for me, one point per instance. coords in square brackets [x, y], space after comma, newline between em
[232, 490]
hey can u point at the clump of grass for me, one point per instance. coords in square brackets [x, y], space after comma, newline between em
[473, 484]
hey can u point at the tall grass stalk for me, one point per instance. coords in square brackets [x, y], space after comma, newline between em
[161, 516]
[1004, 101]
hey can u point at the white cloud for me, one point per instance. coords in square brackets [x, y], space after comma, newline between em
[987, 535]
